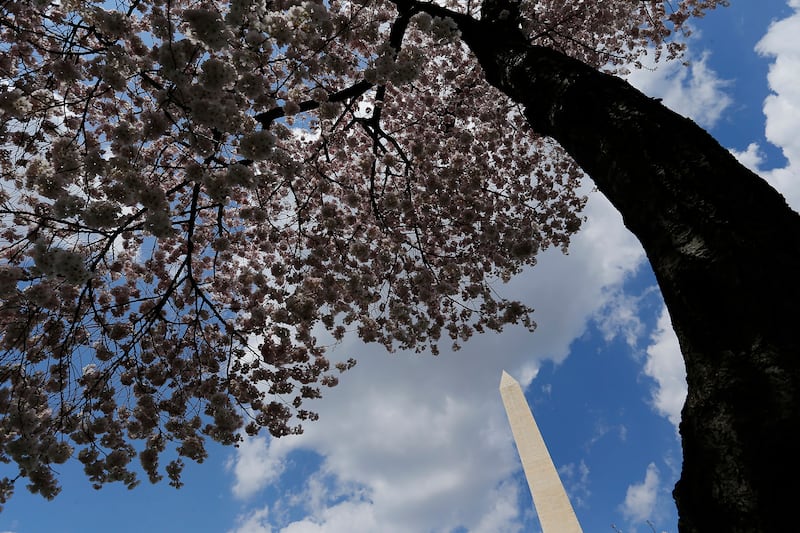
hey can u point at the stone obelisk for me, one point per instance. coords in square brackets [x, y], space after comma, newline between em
[552, 505]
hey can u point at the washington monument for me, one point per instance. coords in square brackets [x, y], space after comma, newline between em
[552, 505]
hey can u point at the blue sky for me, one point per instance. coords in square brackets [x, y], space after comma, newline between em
[413, 443]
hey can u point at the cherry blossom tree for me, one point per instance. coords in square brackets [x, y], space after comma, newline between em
[190, 190]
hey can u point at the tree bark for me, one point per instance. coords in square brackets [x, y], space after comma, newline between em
[725, 249]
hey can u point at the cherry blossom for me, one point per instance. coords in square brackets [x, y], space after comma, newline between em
[190, 190]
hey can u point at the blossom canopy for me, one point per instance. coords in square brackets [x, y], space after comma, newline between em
[193, 191]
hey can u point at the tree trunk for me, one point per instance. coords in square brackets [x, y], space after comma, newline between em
[725, 248]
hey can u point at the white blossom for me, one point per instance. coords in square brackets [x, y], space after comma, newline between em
[206, 26]
[60, 263]
[216, 74]
[257, 145]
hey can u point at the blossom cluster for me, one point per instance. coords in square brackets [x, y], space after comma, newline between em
[59, 262]
[189, 189]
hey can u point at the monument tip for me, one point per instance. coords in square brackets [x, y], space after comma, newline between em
[506, 380]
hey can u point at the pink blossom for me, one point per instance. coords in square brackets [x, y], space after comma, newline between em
[167, 209]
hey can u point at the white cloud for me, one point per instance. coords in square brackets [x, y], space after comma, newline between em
[255, 522]
[425, 441]
[502, 517]
[575, 477]
[345, 517]
[782, 43]
[694, 91]
[640, 499]
[782, 107]
[751, 157]
[253, 469]
[603, 429]
[665, 365]
[620, 316]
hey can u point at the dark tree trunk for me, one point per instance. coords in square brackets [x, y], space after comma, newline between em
[725, 248]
